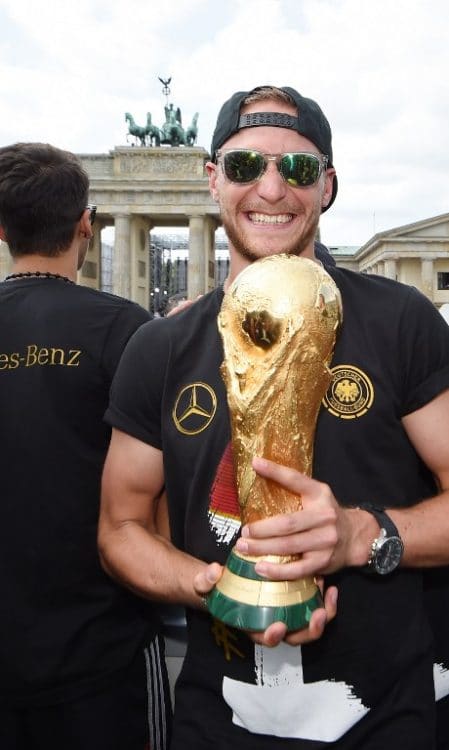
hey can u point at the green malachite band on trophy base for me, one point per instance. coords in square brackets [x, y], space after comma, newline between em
[253, 617]
[245, 600]
[242, 567]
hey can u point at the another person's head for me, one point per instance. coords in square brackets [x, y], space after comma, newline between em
[43, 199]
[271, 171]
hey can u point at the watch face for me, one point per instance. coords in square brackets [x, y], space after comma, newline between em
[388, 555]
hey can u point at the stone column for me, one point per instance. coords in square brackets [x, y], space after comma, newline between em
[210, 226]
[390, 268]
[427, 275]
[196, 282]
[139, 260]
[121, 259]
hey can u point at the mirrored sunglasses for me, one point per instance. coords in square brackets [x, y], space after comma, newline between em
[298, 169]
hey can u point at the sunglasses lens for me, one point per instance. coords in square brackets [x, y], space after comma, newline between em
[93, 213]
[243, 166]
[300, 170]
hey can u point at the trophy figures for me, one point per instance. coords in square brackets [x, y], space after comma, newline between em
[278, 322]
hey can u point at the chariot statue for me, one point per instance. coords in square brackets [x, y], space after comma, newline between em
[171, 133]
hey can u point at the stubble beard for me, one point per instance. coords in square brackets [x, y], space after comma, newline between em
[252, 253]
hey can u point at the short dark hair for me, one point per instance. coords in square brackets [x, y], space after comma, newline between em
[43, 193]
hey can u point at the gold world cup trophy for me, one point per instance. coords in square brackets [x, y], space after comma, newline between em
[278, 321]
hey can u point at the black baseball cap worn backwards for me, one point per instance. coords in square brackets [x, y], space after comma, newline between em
[310, 122]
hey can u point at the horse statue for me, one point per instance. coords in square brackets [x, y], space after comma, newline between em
[139, 132]
[172, 130]
[153, 132]
[171, 133]
[192, 131]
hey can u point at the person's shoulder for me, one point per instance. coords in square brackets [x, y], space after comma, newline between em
[382, 300]
[106, 298]
[178, 330]
[206, 306]
[370, 284]
[111, 302]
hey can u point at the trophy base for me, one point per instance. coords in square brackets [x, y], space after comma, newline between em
[247, 601]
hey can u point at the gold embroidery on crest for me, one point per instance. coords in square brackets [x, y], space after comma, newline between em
[350, 393]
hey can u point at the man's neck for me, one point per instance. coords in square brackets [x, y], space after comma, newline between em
[62, 265]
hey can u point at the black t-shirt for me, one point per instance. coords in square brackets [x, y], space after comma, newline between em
[65, 627]
[367, 683]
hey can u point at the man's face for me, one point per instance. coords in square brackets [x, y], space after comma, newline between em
[269, 216]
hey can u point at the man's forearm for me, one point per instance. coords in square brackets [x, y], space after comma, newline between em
[425, 531]
[149, 565]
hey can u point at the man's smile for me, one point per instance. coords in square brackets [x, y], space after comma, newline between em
[260, 218]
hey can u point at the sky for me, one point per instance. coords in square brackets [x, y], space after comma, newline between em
[69, 70]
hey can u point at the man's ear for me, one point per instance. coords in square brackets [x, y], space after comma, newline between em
[85, 227]
[327, 193]
[211, 170]
[2, 234]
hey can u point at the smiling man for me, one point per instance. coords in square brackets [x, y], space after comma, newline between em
[374, 515]
[266, 216]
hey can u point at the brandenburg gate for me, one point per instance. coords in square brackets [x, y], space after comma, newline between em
[138, 188]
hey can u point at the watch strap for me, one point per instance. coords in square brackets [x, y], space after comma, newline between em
[387, 549]
[382, 519]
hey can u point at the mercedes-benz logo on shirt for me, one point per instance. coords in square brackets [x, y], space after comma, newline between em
[194, 408]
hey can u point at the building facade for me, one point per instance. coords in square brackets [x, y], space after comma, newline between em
[416, 254]
[140, 189]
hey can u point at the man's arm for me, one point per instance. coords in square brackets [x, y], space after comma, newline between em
[330, 537]
[425, 527]
[134, 548]
[131, 549]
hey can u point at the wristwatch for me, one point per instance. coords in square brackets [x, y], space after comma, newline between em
[387, 550]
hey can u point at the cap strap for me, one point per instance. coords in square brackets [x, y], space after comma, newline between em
[277, 119]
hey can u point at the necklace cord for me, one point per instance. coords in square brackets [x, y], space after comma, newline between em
[37, 275]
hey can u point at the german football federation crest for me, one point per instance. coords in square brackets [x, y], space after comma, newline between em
[350, 393]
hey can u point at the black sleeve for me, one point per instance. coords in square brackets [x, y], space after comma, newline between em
[138, 385]
[424, 352]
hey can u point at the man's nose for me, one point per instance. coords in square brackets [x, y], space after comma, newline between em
[271, 186]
